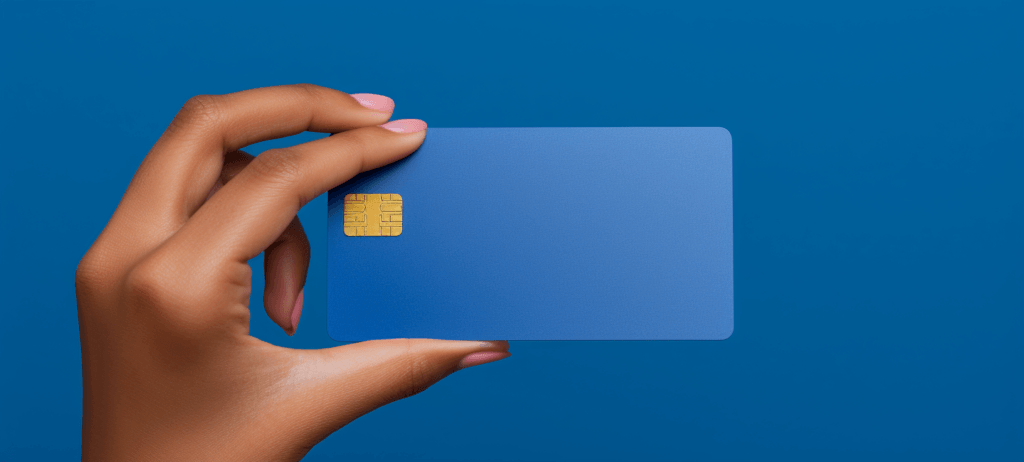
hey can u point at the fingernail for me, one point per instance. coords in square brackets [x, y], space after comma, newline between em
[405, 125]
[297, 311]
[482, 357]
[375, 102]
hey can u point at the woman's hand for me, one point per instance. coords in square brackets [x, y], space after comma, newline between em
[170, 371]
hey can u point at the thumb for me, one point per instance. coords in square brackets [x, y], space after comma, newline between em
[337, 385]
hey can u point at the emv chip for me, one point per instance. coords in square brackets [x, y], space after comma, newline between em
[373, 214]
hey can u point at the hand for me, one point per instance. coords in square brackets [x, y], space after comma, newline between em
[170, 371]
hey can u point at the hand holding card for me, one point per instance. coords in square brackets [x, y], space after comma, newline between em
[170, 370]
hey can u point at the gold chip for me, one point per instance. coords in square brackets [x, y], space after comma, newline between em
[373, 214]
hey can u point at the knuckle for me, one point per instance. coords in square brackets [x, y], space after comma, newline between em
[182, 302]
[155, 293]
[200, 111]
[357, 145]
[419, 375]
[366, 141]
[93, 274]
[278, 166]
[311, 90]
[147, 284]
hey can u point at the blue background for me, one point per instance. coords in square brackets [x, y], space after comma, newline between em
[878, 211]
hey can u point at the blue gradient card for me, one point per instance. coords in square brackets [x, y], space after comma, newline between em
[538, 234]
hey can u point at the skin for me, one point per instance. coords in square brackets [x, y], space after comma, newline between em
[170, 370]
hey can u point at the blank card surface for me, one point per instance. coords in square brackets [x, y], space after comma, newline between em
[538, 234]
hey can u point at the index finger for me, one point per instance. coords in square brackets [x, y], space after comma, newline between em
[184, 164]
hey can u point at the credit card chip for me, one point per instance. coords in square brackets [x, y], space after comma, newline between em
[373, 214]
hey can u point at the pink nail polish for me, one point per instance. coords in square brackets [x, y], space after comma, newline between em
[297, 311]
[405, 125]
[482, 357]
[376, 102]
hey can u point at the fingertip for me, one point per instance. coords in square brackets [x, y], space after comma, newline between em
[379, 103]
[500, 345]
[405, 125]
[482, 357]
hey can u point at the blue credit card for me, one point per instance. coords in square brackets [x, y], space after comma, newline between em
[538, 234]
